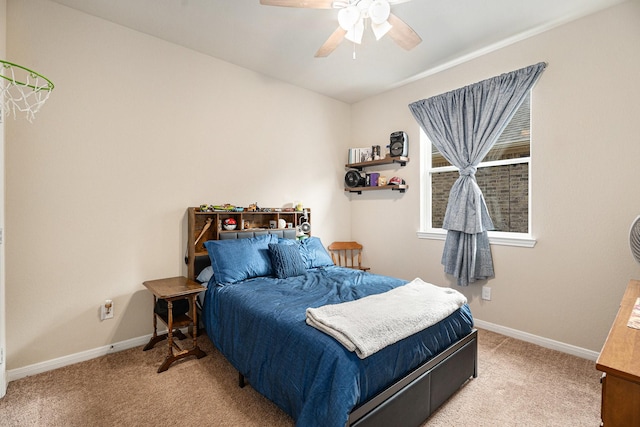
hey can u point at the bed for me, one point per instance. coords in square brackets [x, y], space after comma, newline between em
[255, 316]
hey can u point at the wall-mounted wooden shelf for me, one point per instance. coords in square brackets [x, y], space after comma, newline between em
[401, 160]
[401, 188]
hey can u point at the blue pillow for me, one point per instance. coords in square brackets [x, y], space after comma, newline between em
[286, 260]
[237, 260]
[314, 254]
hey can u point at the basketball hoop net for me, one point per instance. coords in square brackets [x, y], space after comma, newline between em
[22, 90]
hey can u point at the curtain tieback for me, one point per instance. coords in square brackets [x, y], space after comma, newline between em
[468, 171]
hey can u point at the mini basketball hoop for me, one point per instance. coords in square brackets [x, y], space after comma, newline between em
[22, 90]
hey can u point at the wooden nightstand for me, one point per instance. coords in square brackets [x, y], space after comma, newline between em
[172, 289]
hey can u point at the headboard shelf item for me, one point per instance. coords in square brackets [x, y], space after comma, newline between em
[207, 225]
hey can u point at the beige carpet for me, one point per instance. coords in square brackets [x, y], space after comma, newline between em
[519, 384]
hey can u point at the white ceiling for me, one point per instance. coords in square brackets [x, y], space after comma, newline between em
[281, 42]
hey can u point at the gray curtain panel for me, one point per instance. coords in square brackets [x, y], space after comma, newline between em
[463, 125]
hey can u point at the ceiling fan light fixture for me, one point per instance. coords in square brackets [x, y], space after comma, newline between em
[379, 11]
[379, 30]
[349, 17]
[364, 5]
[354, 34]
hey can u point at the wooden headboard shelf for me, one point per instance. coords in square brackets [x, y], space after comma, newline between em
[257, 221]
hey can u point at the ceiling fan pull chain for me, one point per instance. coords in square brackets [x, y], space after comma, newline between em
[354, 50]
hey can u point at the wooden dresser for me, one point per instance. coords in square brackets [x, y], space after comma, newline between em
[620, 362]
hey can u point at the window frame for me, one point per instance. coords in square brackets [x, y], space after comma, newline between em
[426, 231]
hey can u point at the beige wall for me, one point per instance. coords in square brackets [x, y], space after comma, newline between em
[136, 131]
[585, 192]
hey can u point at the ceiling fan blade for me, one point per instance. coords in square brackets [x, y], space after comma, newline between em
[309, 4]
[402, 33]
[331, 44]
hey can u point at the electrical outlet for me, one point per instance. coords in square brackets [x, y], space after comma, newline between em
[106, 310]
[486, 293]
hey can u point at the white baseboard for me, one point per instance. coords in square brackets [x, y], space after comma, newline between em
[541, 341]
[49, 365]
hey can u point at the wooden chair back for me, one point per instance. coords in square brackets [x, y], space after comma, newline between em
[347, 254]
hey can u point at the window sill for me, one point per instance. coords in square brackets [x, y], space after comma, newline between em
[495, 238]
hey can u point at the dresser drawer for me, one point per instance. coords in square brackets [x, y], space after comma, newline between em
[620, 402]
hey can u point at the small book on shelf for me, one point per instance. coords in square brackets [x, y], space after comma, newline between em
[359, 155]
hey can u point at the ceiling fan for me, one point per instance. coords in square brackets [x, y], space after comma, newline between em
[352, 16]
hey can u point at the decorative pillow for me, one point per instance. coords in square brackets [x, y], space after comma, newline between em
[314, 254]
[286, 260]
[236, 260]
[205, 275]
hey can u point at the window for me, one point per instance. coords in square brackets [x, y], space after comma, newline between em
[503, 176]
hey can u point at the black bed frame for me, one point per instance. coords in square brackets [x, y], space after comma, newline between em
[412, 399]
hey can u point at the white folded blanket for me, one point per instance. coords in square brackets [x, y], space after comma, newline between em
[369, 324]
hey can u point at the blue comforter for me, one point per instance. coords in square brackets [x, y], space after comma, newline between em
[259, 326]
